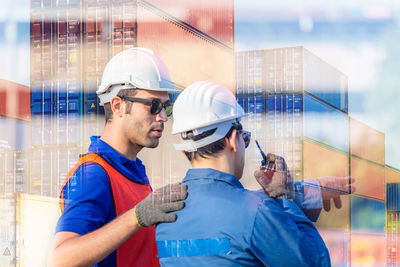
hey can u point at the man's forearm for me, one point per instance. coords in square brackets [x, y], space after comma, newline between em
[91, 248]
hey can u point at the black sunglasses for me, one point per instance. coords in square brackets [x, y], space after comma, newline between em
[155, 104]
[245, 134]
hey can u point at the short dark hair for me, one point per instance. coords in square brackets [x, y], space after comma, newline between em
[210, 150]
[107, 106]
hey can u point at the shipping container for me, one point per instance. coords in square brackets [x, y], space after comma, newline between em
[337, 242]
[361, 211]
[366, 142]
[14, 100]
[27, 227]
[369, 178]
[392, 175]
[321, 161]
[175, 45]
[325, 124]
[41, 171]
[215, 19]
[293, 69]
[367, 249]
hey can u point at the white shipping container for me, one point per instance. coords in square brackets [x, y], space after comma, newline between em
[27, 226]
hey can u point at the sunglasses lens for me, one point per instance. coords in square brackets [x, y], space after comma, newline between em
[246, 139]
[156, 107]
[168, 109]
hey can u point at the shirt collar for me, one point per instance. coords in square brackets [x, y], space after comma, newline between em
[208, 173]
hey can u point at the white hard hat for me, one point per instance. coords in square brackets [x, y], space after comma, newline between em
[134, 68]
[201, 107]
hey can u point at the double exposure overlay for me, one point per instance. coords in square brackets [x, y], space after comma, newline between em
[318, 83]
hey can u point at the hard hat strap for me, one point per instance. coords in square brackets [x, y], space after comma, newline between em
[191, 145]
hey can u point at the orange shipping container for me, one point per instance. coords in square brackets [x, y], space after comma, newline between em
[366, 142]
[214, 18]
[190, 57]
[369, 178]
[392, 175]
[320, 161]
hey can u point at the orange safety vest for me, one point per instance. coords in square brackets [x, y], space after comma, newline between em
[140, 249]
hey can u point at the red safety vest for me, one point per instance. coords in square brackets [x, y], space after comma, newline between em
[140, 249]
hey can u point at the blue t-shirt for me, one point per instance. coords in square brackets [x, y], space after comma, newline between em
[87, 195]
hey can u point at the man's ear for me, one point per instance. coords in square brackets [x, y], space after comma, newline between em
[117, 107]
[232, 141]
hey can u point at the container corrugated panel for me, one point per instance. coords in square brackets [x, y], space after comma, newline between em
[319, 161]
[123, 26]
[325, 82]
[367, 249]
[393, 196]
[41, 171]
[284, 69]
[175, 45]
[325, 124]
[337, 242]
[369, 178]
[366, 142]
[21, 171]
[215, 19]
[361, 211]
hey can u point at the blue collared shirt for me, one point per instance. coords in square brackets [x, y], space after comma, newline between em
[88, 200]
[224, 224]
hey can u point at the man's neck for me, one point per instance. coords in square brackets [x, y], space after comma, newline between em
[115, 139]
[221, 163]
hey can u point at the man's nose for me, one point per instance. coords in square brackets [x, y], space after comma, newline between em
[162, 116]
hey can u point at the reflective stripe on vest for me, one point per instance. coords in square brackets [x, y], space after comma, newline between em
[140, 249]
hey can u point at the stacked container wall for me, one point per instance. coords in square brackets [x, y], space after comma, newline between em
[361, 219]
[392, 177]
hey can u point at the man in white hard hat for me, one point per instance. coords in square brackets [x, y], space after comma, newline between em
[224, 224]
[109, 209]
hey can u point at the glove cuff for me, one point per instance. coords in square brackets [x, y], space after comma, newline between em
[137, 216]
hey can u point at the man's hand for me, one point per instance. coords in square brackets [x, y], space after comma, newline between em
[331, 188]
[155, 207]
[272, 181]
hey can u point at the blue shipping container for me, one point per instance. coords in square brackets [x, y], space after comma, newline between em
[361, 219]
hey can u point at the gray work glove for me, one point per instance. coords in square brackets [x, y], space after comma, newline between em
[155, 207]
[275, 178]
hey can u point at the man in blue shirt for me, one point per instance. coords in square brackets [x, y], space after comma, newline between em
[109, 207]
[224, 224]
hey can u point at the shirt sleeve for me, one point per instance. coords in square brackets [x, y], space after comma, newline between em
[283, 236]
[88, 202]
[308, 197]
